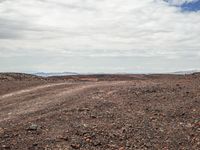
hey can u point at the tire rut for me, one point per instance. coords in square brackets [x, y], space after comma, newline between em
[15, 110]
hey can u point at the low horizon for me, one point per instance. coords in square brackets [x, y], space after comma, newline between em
[90, 73]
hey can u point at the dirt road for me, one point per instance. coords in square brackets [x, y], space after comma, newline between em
[118, 115]
[39, 98]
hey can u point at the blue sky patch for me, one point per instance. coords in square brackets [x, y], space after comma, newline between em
[187, 6]
[195, 6]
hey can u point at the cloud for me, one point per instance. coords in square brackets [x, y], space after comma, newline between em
[98, 28]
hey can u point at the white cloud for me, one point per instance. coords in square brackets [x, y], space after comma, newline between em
[114, 28]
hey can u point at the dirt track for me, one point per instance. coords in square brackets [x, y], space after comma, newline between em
[41, 97]
[151, 113]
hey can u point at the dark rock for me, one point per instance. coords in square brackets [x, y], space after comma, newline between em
[83, 109]
[65, 138]
[35, 144]
[6, 136]
[93, 116]
[96, 143]
[6, 147]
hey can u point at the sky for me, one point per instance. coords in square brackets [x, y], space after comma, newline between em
[99, 36]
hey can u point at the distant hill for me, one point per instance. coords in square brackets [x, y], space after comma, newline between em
[50, 74]
[18, 77]
[186, 72]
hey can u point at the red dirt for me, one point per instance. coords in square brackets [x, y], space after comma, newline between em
[100, 112]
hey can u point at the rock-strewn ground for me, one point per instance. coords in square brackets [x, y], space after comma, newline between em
[117, 112]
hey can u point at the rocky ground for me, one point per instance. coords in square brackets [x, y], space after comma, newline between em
[100, 112]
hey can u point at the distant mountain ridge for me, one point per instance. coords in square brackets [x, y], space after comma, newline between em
[49, 74]
[186, 72]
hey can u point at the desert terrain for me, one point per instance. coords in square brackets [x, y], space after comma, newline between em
[100, 112]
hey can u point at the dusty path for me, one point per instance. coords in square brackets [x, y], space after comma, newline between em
[38, 98]
[30, 90]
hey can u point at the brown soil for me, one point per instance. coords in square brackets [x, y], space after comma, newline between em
[100, 112]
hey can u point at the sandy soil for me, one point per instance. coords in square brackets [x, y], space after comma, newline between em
[100, 112]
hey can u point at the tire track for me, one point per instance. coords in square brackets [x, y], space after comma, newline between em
[58, 96]
[30, 90]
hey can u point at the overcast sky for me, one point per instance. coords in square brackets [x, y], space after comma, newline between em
[133, 36]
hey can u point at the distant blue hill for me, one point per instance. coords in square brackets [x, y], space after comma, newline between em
[44, 74]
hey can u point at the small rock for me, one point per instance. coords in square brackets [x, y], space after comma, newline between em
[112, 146]
[182, 114]
[85, 125]
[6, 147]
[121, 148]
[1, 130]
[83, 109]
[75, 146]
[65, 138]
[87, 140]
[33, 127]
[181, 123]
[97, 143]
[161, 130]
[128, 145]
[6, 136]
[93, 116]
[148, 145]
[35, 144]
[189, 125]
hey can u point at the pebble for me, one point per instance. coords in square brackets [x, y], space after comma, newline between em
[1, 130]
[6, 147]
[87, 140]
[33, 127]
[6, 136]
[121, 148]
[93, 116]
[65, 138]
[97, 143]
[85, 125]
[75, 146]
[112, 146]
[35, 144]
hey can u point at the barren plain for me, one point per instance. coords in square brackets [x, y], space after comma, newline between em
[100, 112]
